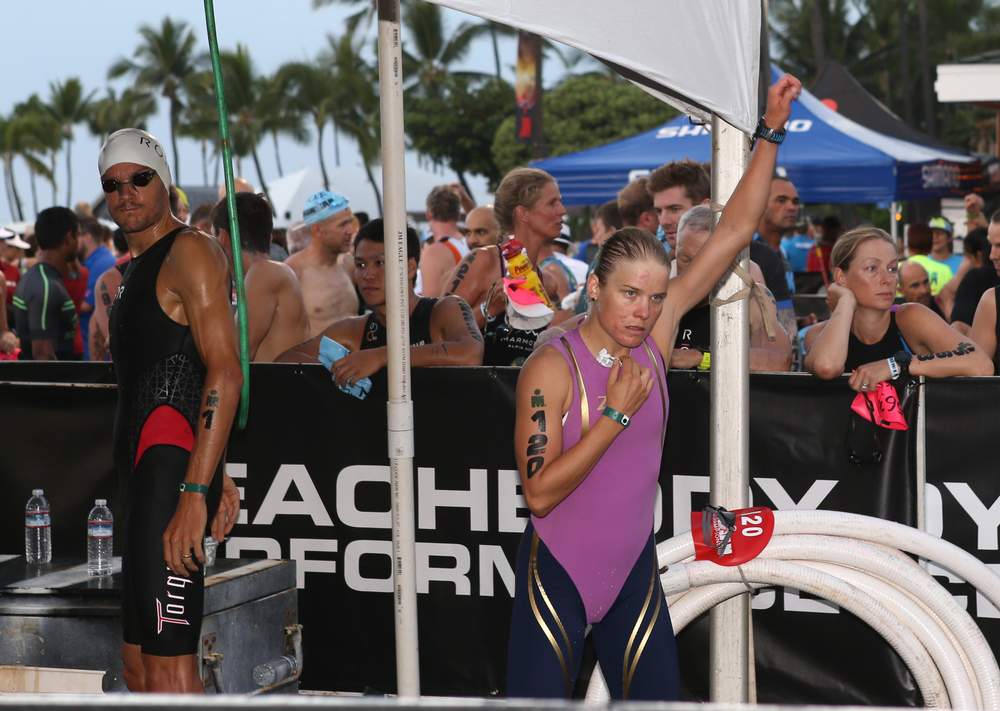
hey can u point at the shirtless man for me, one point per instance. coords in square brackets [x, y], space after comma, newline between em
[97, 330]
[327, 289]
[276, 315]
[442, 331]
[446, 247]
[179, 382]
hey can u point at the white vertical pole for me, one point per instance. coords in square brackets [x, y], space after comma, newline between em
[729, 451]
[921, 454]
[400, 406]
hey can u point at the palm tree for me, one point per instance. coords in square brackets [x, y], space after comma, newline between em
[200, 118]
[68, 106]
[38, 134]
[365, 15]
[356, 104]
[312, 91]
[7, 155]
[130, 109]
[164, 59]
[244, 90]
[434, 50]
[277, 117]
[17, 140]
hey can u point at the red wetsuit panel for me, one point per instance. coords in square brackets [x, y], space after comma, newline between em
[165, 425]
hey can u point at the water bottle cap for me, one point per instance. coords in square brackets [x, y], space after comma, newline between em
[37, 492]
[100, 502]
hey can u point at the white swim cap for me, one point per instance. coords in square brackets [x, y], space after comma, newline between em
[133, 145]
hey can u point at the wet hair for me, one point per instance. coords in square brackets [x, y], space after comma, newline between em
[90, 226]
[977, 244]
[633, 200]
[521, 187]
[256, 222]
[629, 244]
[919, 239]
[681, 173]
[699, 218]
[443, 205]
[53, 224]
[847, 246]
[608, 214]
[374, 231]
[202, 212]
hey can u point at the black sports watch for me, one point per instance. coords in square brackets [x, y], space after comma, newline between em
[903, 360]
[771, 135]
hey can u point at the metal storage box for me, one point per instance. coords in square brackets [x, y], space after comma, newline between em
[55, 615]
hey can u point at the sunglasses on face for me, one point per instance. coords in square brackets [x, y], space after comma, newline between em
[139, 180]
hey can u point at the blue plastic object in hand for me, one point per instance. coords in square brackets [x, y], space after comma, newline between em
[329, 353]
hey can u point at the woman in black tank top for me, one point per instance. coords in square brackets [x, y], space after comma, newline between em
[986, 326]
[869, 336]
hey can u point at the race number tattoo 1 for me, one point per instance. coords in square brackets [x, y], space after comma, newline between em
[537, 442]
[463, 271]
[963, 348]
[470, 321]
[211, 402]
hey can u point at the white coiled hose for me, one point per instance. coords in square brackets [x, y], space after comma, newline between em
[856, 562]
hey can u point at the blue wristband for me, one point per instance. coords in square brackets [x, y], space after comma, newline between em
[620, 417]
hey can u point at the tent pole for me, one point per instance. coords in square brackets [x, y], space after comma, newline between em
[400, 406]
[729, 450]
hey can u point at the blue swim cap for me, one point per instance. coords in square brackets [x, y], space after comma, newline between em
[322, 205]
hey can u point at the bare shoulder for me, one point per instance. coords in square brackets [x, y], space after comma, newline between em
[347, 331]
[913, 315]
[546, 369]
[296, 262]
[193, 247]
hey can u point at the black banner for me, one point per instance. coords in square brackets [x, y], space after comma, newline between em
[314, 476]
[963, 489]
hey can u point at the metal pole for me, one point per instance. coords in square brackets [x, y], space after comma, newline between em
[729, 451]
[400, 406]
[921, 454]
[234, 223]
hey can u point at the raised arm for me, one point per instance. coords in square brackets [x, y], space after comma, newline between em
[199, 277]
[741, 215]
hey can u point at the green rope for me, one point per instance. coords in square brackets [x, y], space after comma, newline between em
[234, 223]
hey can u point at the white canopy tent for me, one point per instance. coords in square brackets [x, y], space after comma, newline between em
[709, 68]
[701, 57]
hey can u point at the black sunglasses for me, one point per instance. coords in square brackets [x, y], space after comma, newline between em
[139, 180]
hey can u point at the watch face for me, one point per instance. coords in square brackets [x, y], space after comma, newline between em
[625, 420]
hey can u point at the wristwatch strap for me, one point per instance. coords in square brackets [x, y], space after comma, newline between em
[771, 135]
[193, 488]
[620, 417]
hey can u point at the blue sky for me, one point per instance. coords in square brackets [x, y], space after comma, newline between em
[50, 40]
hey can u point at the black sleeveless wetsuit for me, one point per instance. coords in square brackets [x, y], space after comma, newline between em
[160, 380]
[420, 327]
[890, 344]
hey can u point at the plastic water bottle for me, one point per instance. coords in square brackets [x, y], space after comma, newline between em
[37, 529]
[100, 525]
[274, 671]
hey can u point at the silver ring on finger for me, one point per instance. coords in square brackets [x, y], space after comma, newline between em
[864, 386]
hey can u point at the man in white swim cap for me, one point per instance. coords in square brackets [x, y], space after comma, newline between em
[174, 346]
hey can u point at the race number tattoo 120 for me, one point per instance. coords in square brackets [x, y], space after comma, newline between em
[536, 443]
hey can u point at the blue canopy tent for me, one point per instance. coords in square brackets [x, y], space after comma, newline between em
[830, 158]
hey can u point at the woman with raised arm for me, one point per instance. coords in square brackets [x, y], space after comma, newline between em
[874, 339]
[591, 417]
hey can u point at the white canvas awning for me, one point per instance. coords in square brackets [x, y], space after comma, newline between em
[701, 56]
